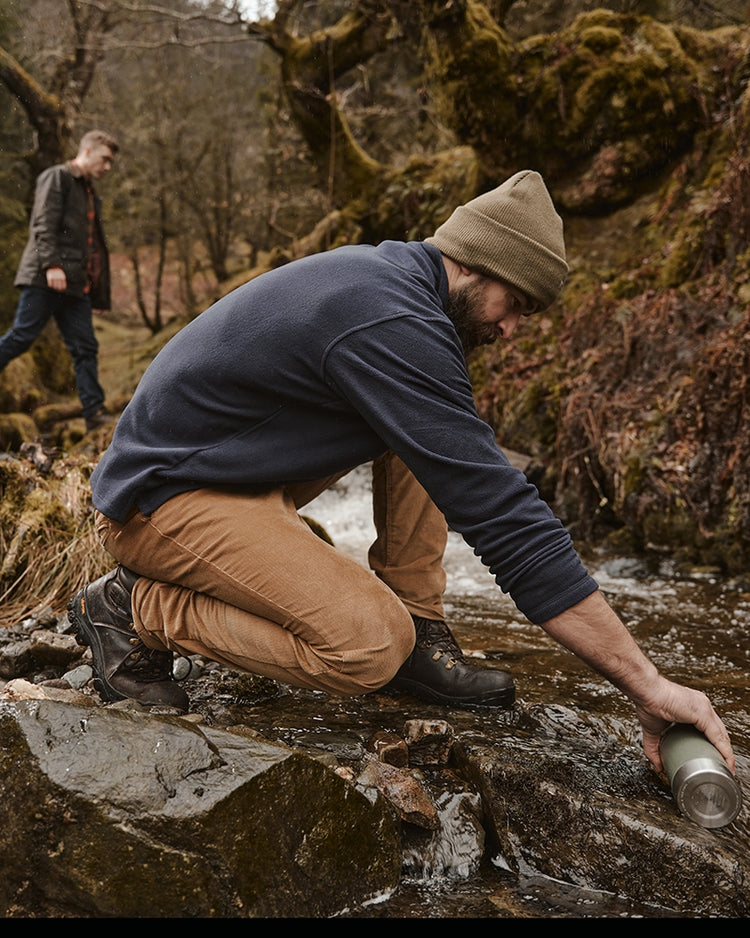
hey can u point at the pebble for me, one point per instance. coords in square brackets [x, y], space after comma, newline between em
[79, 677]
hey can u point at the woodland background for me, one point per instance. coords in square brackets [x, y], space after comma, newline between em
[255, 133]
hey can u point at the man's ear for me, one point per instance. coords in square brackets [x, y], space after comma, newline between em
[458, 273]
[463, 272]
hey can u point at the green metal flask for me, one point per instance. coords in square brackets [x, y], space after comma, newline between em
[703, 787]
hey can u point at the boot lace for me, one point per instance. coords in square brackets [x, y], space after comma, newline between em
[148, 663]
[433, 633]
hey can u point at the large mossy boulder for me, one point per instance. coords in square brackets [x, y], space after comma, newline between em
[113, 813]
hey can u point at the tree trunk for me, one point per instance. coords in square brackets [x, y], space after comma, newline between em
[309, 69]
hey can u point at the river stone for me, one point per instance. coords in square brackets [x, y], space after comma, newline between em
[567, 800]
[51, 648]
[402, 789]
[389, 747]
[15, 658]
[114, 813]
[429, 741]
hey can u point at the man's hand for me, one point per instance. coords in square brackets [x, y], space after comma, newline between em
[56, 279]
[672, 703]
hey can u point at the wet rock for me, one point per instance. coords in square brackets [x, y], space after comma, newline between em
[16, 659]
[51, 648]
[548, 793]
[45, 618]
[455, 849]
[389, 747]
[568, 801]
[21, 689]
[402, 789]
[185, 668]
[429, 741]
[79, 677]
[108, 812]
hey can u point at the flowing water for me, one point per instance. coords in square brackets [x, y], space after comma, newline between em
[693, 625]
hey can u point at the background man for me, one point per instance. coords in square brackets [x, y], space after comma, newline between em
[64, 269]
[260, 403]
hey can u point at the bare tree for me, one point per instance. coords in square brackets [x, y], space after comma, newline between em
[53, 103]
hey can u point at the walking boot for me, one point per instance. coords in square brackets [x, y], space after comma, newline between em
[124, 667]
[437, 671]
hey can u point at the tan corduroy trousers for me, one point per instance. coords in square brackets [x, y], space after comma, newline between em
[243, 580]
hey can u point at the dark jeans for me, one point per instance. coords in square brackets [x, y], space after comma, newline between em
[73, 317]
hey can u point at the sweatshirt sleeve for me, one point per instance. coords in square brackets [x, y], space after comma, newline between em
[407, 377]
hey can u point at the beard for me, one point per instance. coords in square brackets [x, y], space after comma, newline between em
[464, 310]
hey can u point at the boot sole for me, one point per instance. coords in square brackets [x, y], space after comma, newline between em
[501, 698]
[86, 636]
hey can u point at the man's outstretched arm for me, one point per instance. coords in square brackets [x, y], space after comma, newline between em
[594, 633]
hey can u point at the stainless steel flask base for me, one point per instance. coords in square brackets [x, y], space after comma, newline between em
[707, 792]
[703, 787]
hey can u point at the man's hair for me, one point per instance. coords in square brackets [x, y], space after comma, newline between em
[95, 138]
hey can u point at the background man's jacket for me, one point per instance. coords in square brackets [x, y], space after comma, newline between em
[58, 235]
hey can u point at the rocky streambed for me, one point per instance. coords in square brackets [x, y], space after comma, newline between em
[269, 801]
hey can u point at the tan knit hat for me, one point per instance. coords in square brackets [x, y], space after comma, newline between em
[512, 233]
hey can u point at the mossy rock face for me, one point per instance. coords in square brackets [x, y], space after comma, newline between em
[610, 102]
[529, 19]
[603, 107]
[642, 366]
[468, 64]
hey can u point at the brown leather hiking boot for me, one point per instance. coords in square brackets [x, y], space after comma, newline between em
[123, 666]
[438, 671]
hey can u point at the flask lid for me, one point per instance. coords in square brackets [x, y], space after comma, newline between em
[707, 792]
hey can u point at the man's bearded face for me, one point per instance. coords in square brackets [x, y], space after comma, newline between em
[465, 310]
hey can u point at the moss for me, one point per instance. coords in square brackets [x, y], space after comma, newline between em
[601, 39]
[619, 97]
[730, 552]
[684, 257]
[674, 526]
[413, 201]
[16, 429]
[468, 65]
[632, 475]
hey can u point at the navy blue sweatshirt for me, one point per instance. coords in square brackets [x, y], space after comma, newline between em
[320, 366]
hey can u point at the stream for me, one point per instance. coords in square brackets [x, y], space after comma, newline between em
[694, 625]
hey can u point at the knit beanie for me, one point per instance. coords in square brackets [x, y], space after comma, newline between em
[512, 233]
